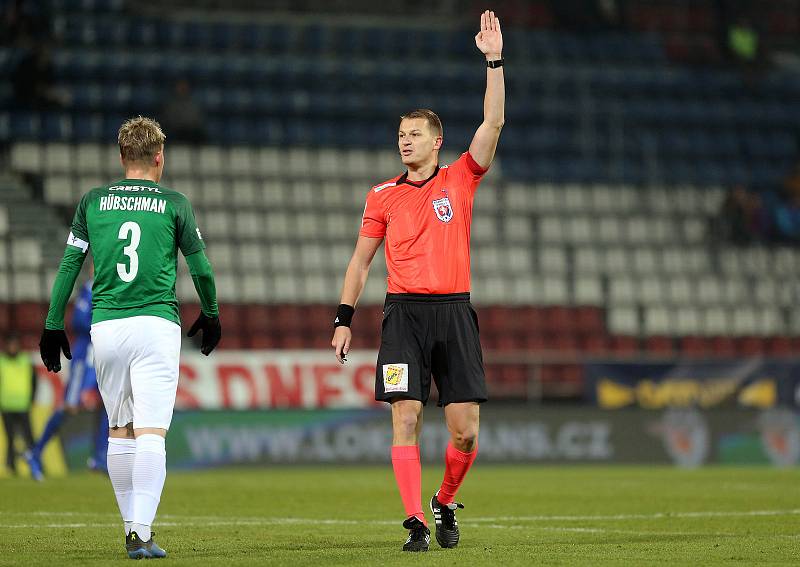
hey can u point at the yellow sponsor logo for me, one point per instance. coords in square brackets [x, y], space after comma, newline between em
[393, 375]
[685, 393]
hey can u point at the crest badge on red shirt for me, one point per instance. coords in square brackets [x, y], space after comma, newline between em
[444, 212]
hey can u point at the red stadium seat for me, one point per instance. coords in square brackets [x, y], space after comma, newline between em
[488, 342]
[30, 341]
[533, 342]
[566, 343]
[508, 342]
[189, 312]
[261, 342]
[232, 341]
[368, 316]
[494, 373]
[529, 319]
[590, 319]
[660, 345]
[230, 317]
[370, 341]
[5, 318]
[595, 344]
[255, 318]
[700, 19]
[624, 345]
[559, 320]
[319, 317]
[780, 346]
[29, 317]
[321, 341]
[550, 373]
[751, 346]
[573, 374]
[498, 319]
[514, 378]
[293, 340]
[287, 317]
[696, 346]
[723, 347]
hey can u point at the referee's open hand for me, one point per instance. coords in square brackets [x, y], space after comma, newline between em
[51, 344]
[341, 343]
[212, 332]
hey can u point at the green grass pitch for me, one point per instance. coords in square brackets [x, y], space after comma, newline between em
[515, 515]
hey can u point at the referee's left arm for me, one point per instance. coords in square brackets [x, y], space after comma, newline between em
[354, 281]
[490, 42]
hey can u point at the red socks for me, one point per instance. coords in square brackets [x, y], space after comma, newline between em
[457, 464]
[408, 473]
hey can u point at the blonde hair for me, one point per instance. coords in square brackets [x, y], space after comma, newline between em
[433, 120]
[140, 139]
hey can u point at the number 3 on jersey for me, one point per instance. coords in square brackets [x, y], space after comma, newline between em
[130, 230]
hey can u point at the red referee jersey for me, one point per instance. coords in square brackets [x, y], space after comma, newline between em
[427, 226]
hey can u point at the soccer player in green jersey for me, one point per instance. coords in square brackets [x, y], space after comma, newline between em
[135, 228]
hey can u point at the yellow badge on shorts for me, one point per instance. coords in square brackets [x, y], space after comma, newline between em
[395, 377]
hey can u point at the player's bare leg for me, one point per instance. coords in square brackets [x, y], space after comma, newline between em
[463, 422]
[406, 427]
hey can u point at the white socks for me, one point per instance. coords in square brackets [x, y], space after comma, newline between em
[149, 473]
[137, 469]
[121, 456]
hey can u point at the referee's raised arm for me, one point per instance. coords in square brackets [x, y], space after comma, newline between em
[490, 42]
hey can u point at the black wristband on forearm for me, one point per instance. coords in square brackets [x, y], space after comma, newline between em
[344, 315]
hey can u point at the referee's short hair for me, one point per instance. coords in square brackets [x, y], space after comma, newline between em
[433, 120]
[140, 139]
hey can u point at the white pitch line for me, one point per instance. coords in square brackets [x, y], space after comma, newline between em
[654, 516]
[266, 522]
[492, 522]
[608, 531]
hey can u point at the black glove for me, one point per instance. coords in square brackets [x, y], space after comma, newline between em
[51, 344]
[212, 332]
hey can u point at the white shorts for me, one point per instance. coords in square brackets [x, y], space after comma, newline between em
[137, 360]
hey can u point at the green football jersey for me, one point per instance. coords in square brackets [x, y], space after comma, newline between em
[134, 228]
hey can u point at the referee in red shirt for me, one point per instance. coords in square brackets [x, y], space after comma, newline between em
[429, 327]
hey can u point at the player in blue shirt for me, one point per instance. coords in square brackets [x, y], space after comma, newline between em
[82, 383]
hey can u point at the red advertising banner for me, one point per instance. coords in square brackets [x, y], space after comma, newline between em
[260, 379]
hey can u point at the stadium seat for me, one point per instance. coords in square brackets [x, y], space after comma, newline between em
[4, 227]
[588, 291]
[660, 345]
[58, 158]
[26, 253]
[27, 317]
[780, 346]
[5, 286]
[624, 345]
[751, 346]
[27, 157]
[723, 346]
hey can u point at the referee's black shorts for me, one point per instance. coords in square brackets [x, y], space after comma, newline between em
[424, 335]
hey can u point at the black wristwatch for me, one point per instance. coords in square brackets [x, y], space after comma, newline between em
[495, 64]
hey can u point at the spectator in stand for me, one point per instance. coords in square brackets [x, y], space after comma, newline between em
[583, 16]
[23, 23]
[741, 220]
[17, 390]
[782, 208]
[743, 39]
[182, 117]
[33, 81]
[768, 215]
